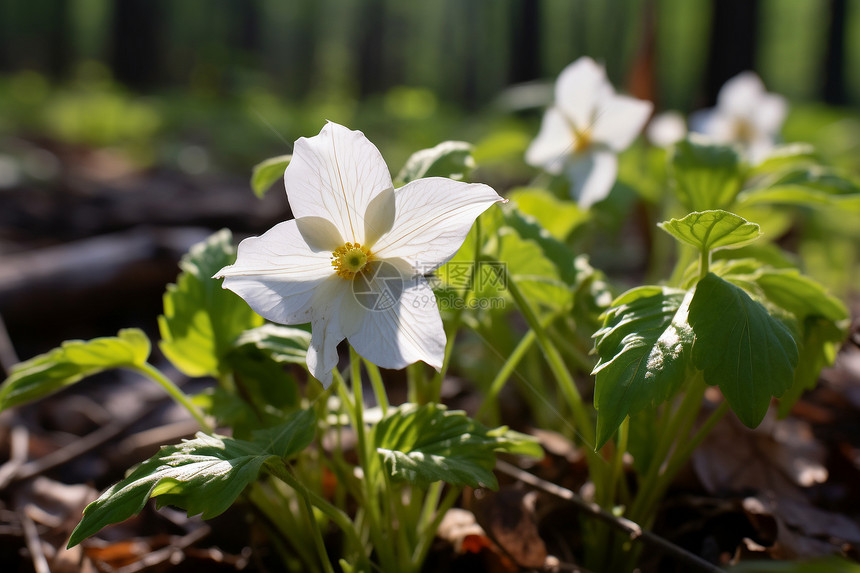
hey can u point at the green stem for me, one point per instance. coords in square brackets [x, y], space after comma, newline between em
[704, 263]
[506, 371]
[317, 536]
[377, 384]
[429, 533]
[556, 364]
[684, 452]
[176, 393]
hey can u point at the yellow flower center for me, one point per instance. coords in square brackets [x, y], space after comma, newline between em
[350, 259]
[581, 139]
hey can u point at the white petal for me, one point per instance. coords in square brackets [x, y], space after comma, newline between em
[433, 217]
[770, 114]
[335, 175]
[592, 176]
[717, 126]
[553, 143]
[667, 128]
[739, 95]
[578, 91]
[277, 274]
[403, 330]
[326, 332]
[619, 120]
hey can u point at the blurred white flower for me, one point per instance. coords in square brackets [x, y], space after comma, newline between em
[352, 261]
[745, 114]
[584, 130]
[667, 128]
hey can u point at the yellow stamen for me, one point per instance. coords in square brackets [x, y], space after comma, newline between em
[350, 259]
[581, 139]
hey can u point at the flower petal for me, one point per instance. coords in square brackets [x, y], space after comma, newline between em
[740, 95]
[335, 175]
[400, 331]
[319, 234]
[667, 128]
[592, 176]
[326, 332]
[770, 114]
[433, 217]
[579, 89]
[553, 143]
[277, 274]
[619, 121]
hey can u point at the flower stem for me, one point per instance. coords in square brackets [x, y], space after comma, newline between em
[377, 384]
[176, 393]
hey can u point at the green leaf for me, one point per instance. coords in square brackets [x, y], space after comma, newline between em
[283, 344]
[707, 176]
[741, 348]
[204, 475]
[644, 349]
[556, 251]
[201, 320]
[800, 295]
[710, 230]
[423, 444]
[814, 186]
[538, 278]
[74, 360]
[452, 159]
[265, 174]
[782, 156]
[558, 217]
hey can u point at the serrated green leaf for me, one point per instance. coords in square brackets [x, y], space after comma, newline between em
[204, 475]
[800, 295]
[707, 176]
[644, 349]
[710, 230]
[423, 444]
[283, 344]
[741, 348]
[558, 217]
[819, 344]
[538, 278]
[452, 159]
[266, 173]
[201, 320]
[74, 360]
[556, 251]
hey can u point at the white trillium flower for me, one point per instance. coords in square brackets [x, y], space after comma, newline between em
[352, 261]
[745, 114]
[588, 125]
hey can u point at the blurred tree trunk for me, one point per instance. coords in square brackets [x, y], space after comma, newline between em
[834, 55]
[733, 43]
[136, 42]
[525, 42]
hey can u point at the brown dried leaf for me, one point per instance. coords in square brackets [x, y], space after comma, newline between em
[508, 517]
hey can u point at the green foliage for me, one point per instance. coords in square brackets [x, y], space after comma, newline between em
[267, 172]
[201, 320]
[283, 344]
[452, 159]
[204, 475]
[423, 444]
[707, 176]
[74, 360]
[741, 348]
[559, 218]
[813, 186]
[644, 348]
[711, 230]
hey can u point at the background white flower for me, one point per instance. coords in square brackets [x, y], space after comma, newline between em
[667, 128]
[584, 130]
[349, 262]
[745, 114]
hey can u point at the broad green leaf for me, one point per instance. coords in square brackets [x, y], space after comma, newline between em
[74, 360]
[644, 349]
[204, 475]
[452, 159]
[782, 156]
[814, 186]
[707, 176]
[538, 278]
[201, 320]
[741, 348]
[283, 344]
[709, 230]
[800, 295]
[558, 217]
[423, 444]
[529, 228]
[819, 344]
[266, 173]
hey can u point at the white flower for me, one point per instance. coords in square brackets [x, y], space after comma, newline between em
[667, 128]
[352, 261]
[585, 129]
[745, 114]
